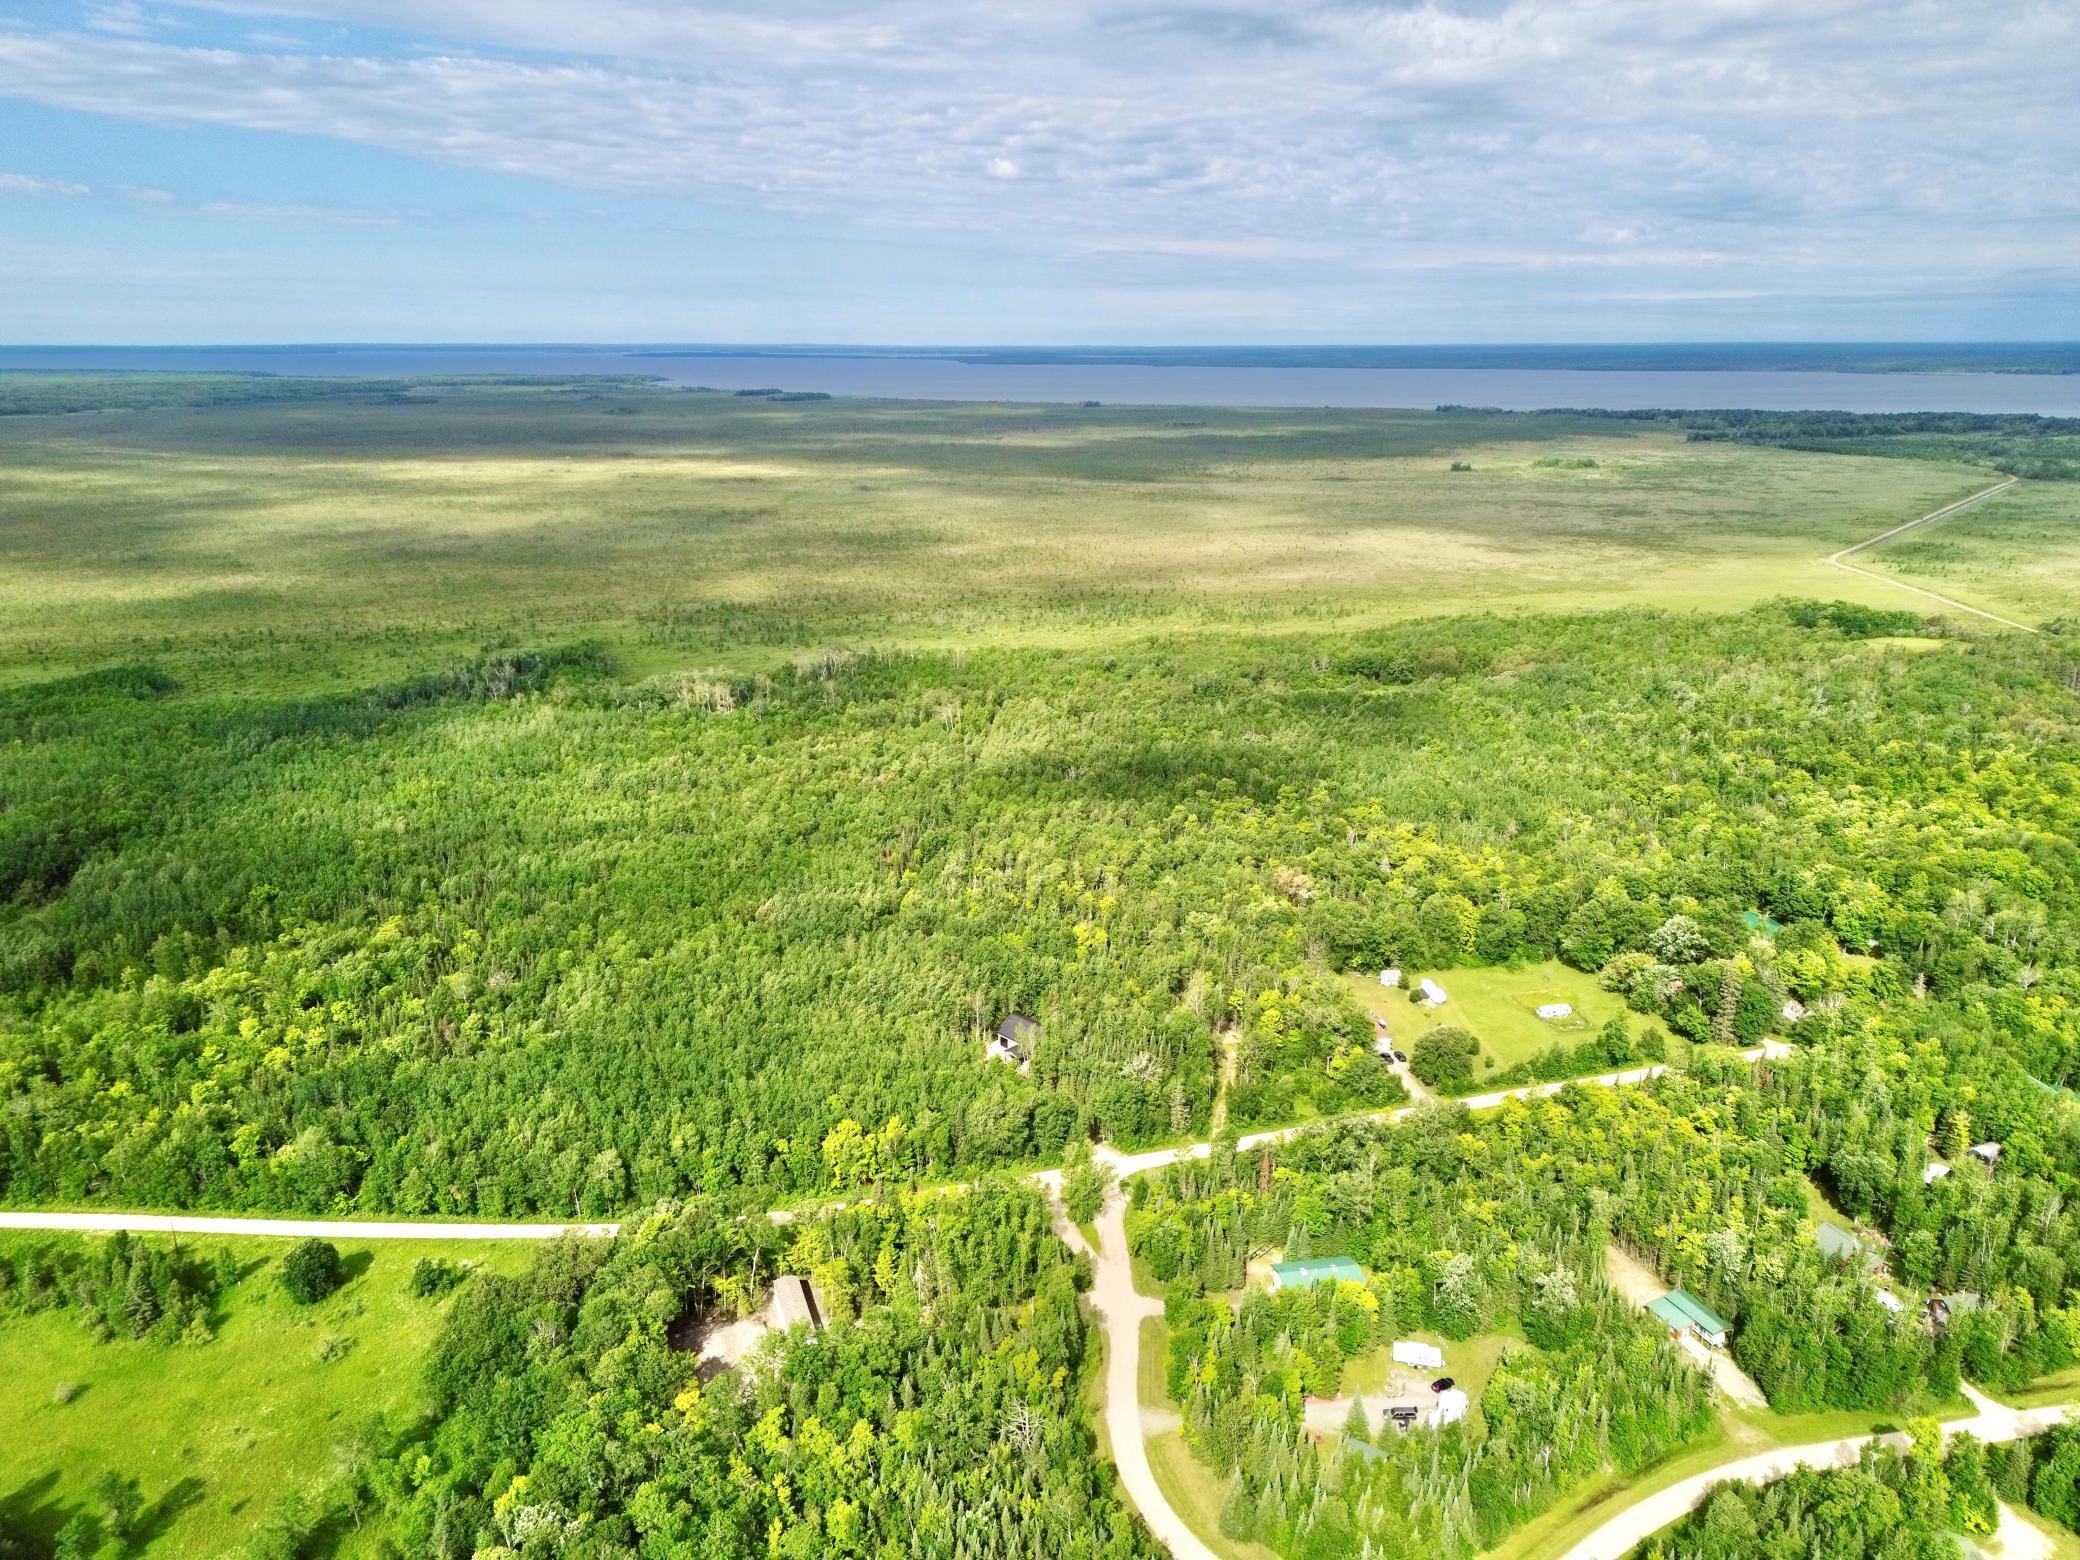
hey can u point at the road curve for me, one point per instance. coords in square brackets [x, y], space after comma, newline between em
[1840, 560]
[1639, 1522]
[335, 1229]
[1123, 1309]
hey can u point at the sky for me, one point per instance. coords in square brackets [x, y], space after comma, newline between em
[1038, 171]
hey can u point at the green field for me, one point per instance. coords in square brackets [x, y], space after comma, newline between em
[1499, 1007]
[216, 1433]
[2017, 554]
[325, 543]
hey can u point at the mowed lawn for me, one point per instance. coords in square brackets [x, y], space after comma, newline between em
[216, 1433]
[1498, 1006]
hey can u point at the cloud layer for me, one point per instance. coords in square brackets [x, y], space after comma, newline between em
[1710, 149]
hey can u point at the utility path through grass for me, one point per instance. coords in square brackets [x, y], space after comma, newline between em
[1840, 560]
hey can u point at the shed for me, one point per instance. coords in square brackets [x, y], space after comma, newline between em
[1451, 1407]
[1556, 1010]
[1931, 1174]
[1838, 1245]
[1428, 991]
[1891, 1302]
[1315, 1270]
[1423, 1356]
[1986, 1153]
[796, 1303]
[1390, 978]
[1684, 1312]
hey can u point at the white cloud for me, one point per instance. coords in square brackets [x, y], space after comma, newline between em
[1715, 148]
[24, 184]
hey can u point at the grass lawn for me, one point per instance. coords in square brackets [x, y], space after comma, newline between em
[1498, 1005]
[1469, 1362]
[1155, 1345]
[1194, 1493]
[216, 1433]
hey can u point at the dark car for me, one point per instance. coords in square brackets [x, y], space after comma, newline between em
[1398, 1056]
[1441, 1384]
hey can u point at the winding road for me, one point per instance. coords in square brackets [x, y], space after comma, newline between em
[1638, 1522]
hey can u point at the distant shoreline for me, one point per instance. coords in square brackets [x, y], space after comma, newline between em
[2046, 358]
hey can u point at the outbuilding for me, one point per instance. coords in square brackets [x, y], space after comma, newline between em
[1390, 978]
[1988, 1154]
[1429, 993]
[1418, 1355]
[1793, 1011]
[1838, 1245]
[1683, 1312]
[1930, 1174]
[1309, 1271]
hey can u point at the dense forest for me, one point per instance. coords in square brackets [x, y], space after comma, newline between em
[314, 954]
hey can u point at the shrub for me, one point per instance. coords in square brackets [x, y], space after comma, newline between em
[1443, 1058]
[312, 1270]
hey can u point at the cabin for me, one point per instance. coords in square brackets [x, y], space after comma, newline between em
[1420, 1356]
[1683, 1312]
[1309, 1271]
[1009, 1043]
[1838, 1245]
[796, 1303]
[1556, 1010]
[1452, 1404]
[1988, 1154]
[1429, 993]
[1391, 979]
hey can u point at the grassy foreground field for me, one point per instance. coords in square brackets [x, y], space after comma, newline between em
[216, 1433]
[328, 541]
[1500, 1007]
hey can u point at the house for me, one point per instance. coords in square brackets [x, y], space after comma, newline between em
[1451, 1407]
[1422, 1356]
[1838, 1245]
[1556, 1010]
[1683, 1312]
[1941, 1308]
[1430, 993]
[1390, 979]
[1009, 1043]
[1793, 1011]
[1931, 1174]
[1310, 1271]
[796, 1303]
[1988, 1154]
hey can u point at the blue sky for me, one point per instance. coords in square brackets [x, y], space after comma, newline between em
[1145, 171]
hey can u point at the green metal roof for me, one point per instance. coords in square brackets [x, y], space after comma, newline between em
[1669, 1312]
[1702, 1316]
[1756, 921]
[1837, 1243]
[1317, 1270]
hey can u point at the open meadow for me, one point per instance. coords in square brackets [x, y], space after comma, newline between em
[317, 538]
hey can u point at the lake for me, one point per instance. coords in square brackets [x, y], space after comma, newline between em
[935, 376]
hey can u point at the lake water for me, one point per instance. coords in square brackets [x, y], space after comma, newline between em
[926, 376]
